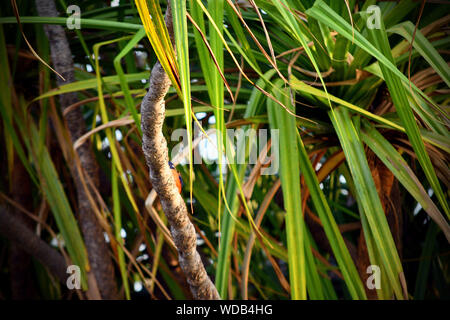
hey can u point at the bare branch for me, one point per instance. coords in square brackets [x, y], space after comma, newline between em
[155, 150]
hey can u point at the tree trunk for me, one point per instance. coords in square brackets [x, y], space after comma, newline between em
[13, 229]
[22, 284]
[97, 249]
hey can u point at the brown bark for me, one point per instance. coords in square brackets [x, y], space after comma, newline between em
[13, 229]
[22, 284]
[98, 253]
[155, 150]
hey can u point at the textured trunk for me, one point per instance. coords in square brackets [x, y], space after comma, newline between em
[13, 229]
[96, 246]
[155, 150]
[22, 284]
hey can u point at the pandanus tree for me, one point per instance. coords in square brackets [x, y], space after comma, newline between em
[314, 156]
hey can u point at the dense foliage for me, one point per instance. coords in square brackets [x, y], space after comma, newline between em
[362, 136]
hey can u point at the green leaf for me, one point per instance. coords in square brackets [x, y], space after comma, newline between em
[344, 260]
[400, 98]
[182, 47]
[367, 197]
[280, 119]
[424, 47]
[123, 82]
[59, 204]
[398, 166]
